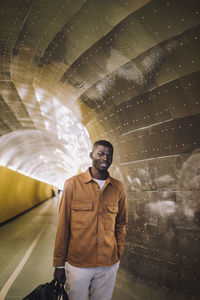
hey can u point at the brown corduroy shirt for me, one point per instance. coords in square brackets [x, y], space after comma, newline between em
[92, 224]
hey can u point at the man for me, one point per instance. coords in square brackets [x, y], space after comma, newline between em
[91, 229]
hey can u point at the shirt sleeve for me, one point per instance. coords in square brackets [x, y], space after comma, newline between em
[121, 222]
[63, 229]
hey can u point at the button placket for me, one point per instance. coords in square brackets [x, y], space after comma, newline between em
[99, 235]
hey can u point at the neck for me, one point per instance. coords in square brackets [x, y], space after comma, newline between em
[97, 174]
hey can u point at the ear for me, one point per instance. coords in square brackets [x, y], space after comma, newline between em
[91, 156]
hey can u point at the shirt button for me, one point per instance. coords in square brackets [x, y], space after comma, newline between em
[99, 238]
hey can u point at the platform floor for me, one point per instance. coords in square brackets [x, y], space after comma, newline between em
[26, 258]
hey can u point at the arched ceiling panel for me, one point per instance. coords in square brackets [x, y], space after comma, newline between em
[86, 28]
[17, 108]
[126, 41]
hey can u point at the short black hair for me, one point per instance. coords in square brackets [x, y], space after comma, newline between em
[104, 143]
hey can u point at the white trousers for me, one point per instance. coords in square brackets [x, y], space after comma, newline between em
[97, 283]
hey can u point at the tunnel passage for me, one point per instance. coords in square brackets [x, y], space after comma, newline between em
[73, 72]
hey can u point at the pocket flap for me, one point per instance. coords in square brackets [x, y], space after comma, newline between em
[82, 206]
[112, 209]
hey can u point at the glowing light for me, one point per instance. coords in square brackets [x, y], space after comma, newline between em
[39, 94]
[41, 155]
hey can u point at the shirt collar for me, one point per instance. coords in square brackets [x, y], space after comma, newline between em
[88, 177]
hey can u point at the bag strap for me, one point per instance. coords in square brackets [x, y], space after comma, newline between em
[64, 294]
[60, 290]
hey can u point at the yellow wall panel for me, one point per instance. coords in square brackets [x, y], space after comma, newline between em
[19, 193]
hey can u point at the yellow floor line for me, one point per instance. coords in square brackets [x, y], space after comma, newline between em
[20, 266]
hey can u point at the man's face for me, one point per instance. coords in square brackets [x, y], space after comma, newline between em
[101, 157]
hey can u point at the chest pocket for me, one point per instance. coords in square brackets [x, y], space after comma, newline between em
[112, 209]
[111, 213]
[81, 216]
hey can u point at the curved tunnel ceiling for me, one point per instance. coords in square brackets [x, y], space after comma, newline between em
[73, 72]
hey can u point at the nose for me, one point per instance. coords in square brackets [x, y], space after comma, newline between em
[105, 157]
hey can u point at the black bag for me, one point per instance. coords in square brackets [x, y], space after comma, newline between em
[48, 291]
